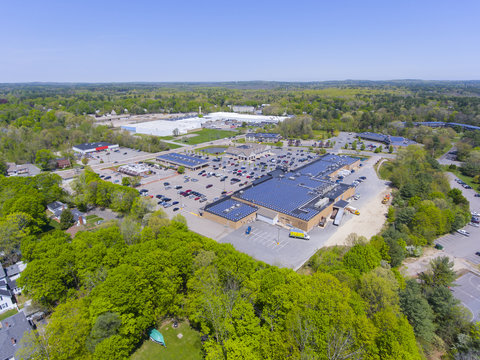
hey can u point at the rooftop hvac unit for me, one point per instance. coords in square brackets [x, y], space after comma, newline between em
[292, 177]
[238, 205]
[321, 202]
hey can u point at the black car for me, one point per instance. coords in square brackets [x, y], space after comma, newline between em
[178, 187]
[363, 177]
[166, 183]
[158, 196]
[175, 203]
[166, 199]
[176, 209]
[477, 253]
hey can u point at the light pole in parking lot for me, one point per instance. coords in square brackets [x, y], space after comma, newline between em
[278, 236]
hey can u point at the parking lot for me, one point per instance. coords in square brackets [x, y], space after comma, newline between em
[211, 182]
[116, 156]
[465, 247]
[467, 290]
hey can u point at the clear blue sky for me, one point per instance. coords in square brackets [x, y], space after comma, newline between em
[296, 40]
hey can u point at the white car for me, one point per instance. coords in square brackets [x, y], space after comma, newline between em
[473, 224]
[474, 213]
[463, 232]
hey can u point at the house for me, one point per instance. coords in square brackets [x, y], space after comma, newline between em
[57, 207]
[62, 163]
[22, 170]
[13, 272]
[12, 330]
[7, 297]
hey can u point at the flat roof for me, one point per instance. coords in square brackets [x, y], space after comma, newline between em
[303, 192]
[182, 159]
[93, 145]
[232, 210]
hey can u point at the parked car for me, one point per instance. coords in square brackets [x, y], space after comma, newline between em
[463, 232]
[175, 203]
[209, 186]
[176, 209]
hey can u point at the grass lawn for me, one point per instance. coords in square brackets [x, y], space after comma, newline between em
[93, 219]
[206, 135]
[186, 348]
[7, 314]
[384, 171]
[53, 224]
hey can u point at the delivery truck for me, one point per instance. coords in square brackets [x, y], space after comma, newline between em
[299, 234]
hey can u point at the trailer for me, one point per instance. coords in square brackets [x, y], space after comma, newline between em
[339, 217]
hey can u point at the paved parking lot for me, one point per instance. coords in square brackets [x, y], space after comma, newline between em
[117, 156]
[272, 244]
[468, 292]
[465, 247]
[462, 246]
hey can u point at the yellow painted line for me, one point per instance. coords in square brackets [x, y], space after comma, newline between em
[193, 213]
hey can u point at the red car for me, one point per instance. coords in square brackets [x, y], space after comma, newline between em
[197, 198]
[204, 175]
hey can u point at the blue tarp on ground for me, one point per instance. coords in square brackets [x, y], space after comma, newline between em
[156, 336]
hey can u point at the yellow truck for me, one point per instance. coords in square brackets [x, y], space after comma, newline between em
[352, 210]
[299, 234]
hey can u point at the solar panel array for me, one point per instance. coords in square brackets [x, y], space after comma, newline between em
[232, 210]
[183, 159]
[295, 193]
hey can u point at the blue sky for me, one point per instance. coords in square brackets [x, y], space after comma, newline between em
[104, 41]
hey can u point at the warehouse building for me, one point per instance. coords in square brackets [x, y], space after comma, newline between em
[263, 137]
[230, 213]
[187, 161]
[302, 198]
[92, 147]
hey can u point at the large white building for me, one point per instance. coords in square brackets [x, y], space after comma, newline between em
[166, 127]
